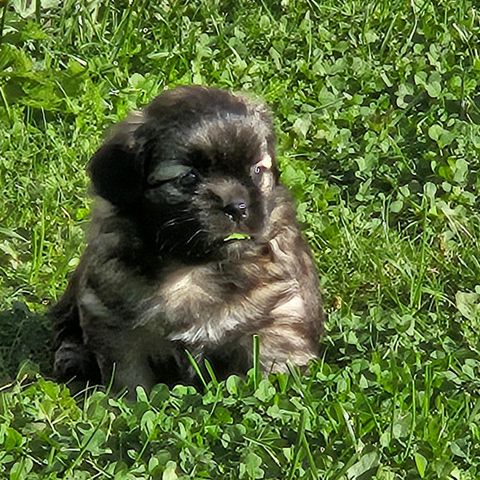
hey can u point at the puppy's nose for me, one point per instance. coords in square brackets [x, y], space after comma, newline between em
[236, 210]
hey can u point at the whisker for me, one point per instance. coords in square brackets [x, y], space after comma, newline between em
[175, 221]
[200, 230]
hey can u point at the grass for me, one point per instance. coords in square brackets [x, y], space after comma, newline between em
[377, 112]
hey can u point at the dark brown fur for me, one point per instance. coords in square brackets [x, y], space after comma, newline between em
[157, 277]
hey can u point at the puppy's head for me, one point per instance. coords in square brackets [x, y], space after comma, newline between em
[195, 166]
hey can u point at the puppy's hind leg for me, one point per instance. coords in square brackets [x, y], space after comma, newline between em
[284, 344]
[73, 359]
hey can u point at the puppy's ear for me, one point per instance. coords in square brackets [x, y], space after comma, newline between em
[116, 169]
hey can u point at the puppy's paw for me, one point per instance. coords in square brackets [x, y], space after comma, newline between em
[74, 361]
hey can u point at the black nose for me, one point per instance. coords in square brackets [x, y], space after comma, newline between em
[236, 210]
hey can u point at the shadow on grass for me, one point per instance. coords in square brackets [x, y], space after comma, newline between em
[24, 335]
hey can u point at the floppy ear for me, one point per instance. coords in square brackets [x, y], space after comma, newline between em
[116, 169]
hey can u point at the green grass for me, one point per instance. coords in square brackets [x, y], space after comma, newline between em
[377, 109]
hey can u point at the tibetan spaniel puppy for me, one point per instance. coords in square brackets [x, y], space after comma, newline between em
[193, 246]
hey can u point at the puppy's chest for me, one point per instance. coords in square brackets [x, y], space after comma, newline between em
[191, 304]
[191, 291]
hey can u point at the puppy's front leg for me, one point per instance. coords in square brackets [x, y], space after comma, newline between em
[126, 373]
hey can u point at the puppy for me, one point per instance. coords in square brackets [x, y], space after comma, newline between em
[193, 246]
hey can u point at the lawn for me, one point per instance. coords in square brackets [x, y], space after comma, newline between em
[377, 111]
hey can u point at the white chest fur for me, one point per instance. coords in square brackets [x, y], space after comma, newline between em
[188, 307]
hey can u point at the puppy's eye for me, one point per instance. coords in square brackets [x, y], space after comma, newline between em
[264, 165]
[189, 179]
[258, 170]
